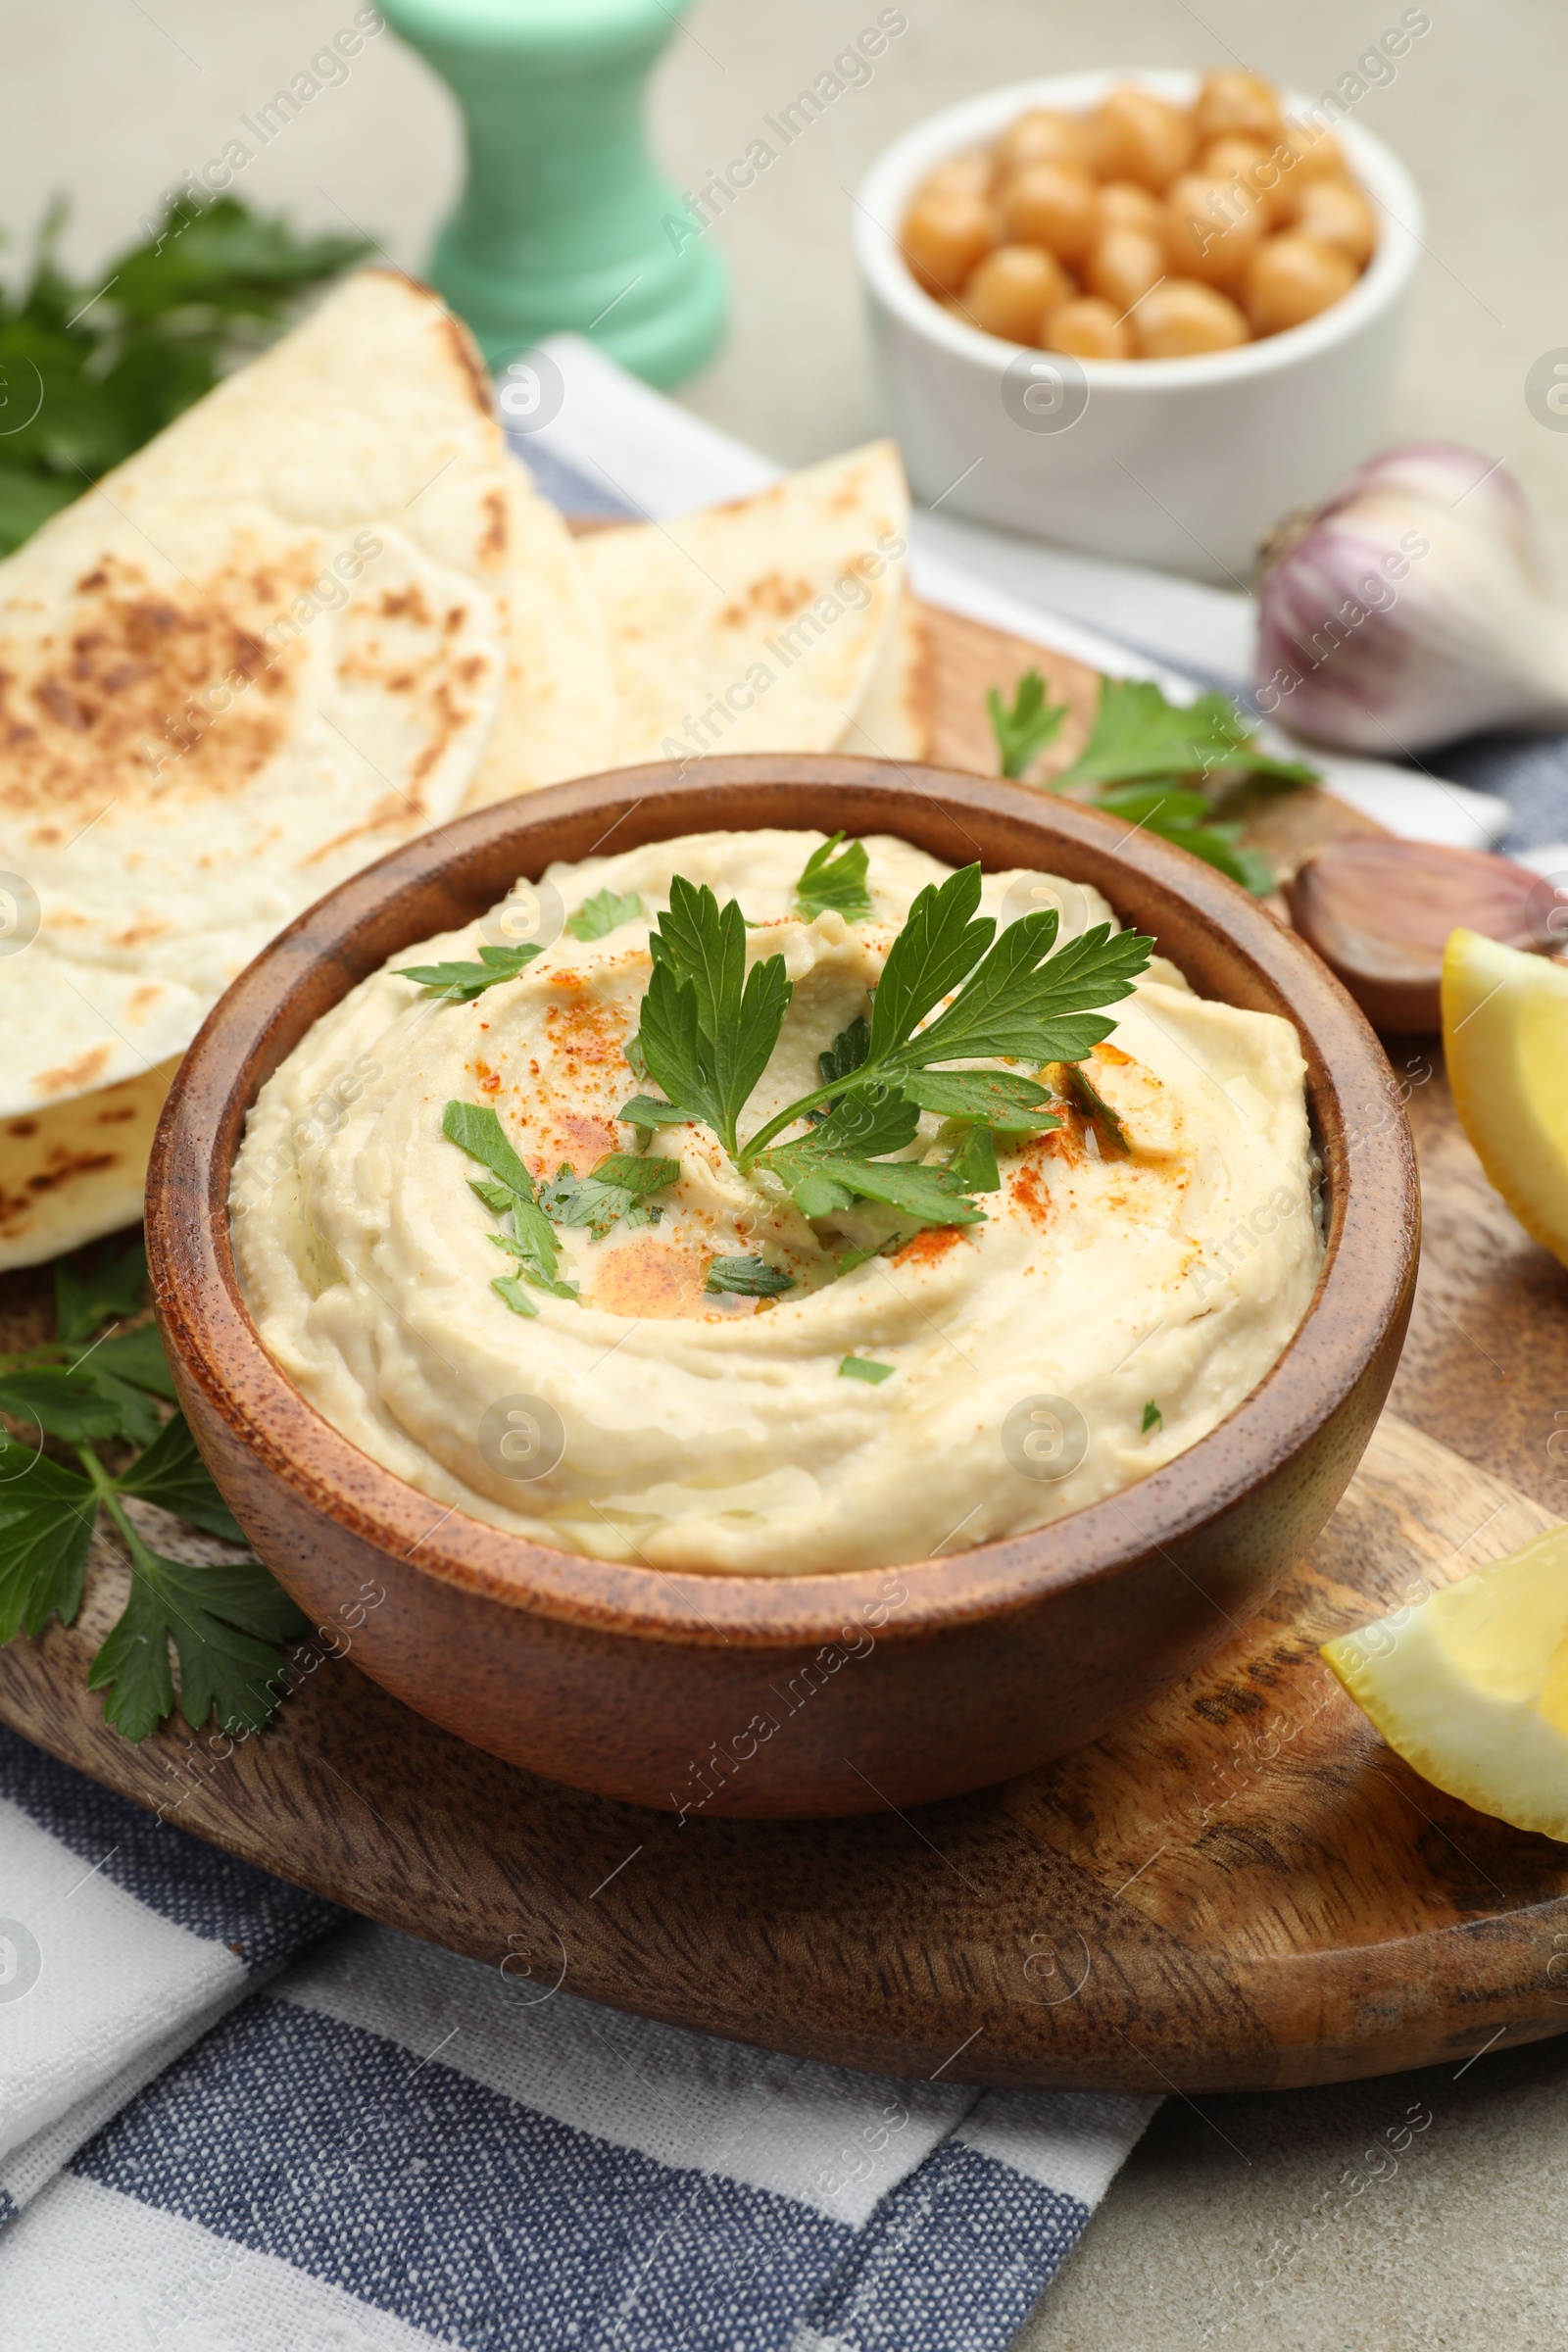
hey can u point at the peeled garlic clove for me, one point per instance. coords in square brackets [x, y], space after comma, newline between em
[1411, 609]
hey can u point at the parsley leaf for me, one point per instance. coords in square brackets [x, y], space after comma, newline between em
[477, 1130]
[602, 913]
[229, 1613]
[615, 1187]
[1091, 1102]
[1028, 726]
[1153, 1418]
[708, 1027]
[60, 1403]
[122, 354]
[857, 1126]
[994, 1099]
[1147, 755]
[1024, 1003]
[1137, 733]
[925, 1193]
[133, 1355]
[223, 1621]
[172, 1474]
[847, 1050]
[937, 945]
[526, 1230]
[972, 1167]
[834, 881]
[645, 1110]
[461, 983]
[863, 1367]
[105, 1288]
[748, 1278]
[47, 1515]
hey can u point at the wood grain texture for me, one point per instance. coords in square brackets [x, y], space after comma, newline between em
[1242, 1888]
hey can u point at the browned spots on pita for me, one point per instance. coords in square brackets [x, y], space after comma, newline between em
[406, 604]
[466, 351]
[114, 1118]
[132, 693]
[405, 808]
[64, 1168]
[493, 545]
[771, 594]
[75, 1077]
[21, 1128]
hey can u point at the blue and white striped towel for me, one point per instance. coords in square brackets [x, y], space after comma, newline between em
[232, 2121]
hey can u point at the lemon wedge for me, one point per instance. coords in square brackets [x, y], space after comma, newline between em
[1471, 1688]
[1506, 1037]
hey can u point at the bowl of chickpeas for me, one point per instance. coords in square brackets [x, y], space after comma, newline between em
[1142, 315]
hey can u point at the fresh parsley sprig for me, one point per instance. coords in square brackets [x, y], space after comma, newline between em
[461, 983]
[706, 1039]
[835, 878]
[1146, 758]
[223, 1619]
[1023, 729]
[1012, 997]
[708, 1025]
[1139, 733]
[116, 357]
[526, 1233]
[606, 911]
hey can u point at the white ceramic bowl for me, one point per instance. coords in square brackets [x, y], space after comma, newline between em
[1182, 464]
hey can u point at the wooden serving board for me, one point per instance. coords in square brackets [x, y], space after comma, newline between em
[1241, 1888]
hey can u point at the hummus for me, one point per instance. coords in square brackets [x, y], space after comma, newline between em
[1112, 1309]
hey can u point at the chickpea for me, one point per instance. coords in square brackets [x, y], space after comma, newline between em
[1135, 135]
[1250, 162]
[1212, 229]
[1318, 153]
[1183, 317]
[1041, 136]
[1335, 213]
[1290, 278]
[1012, 289]
[944, 236]
[1232, 100]
[959, 175]
[1089, 328]
[1049, 204]
[1123, 204]
[1123, 266]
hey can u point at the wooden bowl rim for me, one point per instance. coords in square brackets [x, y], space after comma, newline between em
[214, 1347]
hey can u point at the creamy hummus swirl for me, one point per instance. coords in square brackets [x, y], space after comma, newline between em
[1111, 1310]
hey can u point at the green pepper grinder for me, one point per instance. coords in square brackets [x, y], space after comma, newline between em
[563, 222]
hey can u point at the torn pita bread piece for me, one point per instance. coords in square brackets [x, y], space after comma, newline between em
[557, 705]
[260, 654]
[754, 626]
[894, 718]
[77, 1170]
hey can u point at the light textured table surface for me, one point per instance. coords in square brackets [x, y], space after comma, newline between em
[1216, 2233]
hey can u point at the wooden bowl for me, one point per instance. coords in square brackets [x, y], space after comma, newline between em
[881, 1689]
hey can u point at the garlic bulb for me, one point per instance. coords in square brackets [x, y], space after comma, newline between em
[1410, 608]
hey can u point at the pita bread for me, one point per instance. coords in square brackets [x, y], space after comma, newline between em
[893, 720]
[260, 654]
[73, 1172]
[558, 706]
[754, 626]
